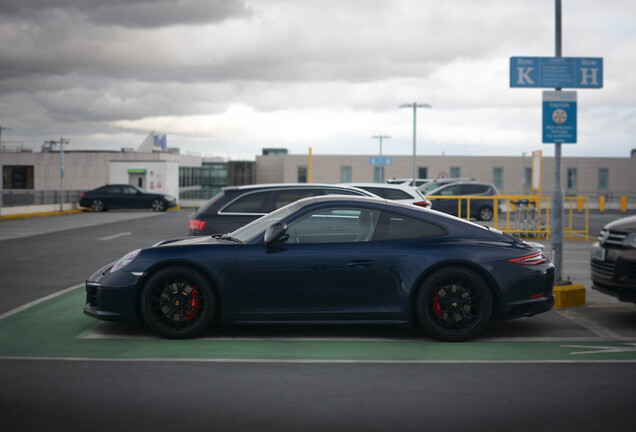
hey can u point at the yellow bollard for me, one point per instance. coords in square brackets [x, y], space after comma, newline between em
[579, 204]
[623, 203]
[601, 203]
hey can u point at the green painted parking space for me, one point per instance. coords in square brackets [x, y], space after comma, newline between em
[54, 329]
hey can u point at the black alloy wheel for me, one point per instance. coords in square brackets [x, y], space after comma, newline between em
[485, 213]
[158, 205]
[97, 205]
[177, 303]
[453, 304]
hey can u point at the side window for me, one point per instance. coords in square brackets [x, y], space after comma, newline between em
[129, 190]
[113, 190]
[334, 225]
[398, 227]
[451, 190]
[397, 194]
[473, 189]
[249, 203]
[376, 191]
[284, 197]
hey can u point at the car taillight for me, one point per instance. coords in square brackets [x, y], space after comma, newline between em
[195, 225]
[534, 259]
[82, 195]
[424, 204]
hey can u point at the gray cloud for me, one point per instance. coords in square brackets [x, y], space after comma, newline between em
[81, 65]
[127, 13]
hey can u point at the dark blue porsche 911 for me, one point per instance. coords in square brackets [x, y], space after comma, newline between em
[330, 260]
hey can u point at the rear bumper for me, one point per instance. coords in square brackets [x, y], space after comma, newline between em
[529, 308]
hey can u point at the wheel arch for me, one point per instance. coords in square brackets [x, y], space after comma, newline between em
[492, 284]
[178, 263]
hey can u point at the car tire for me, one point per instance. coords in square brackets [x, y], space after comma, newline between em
[485, 213]
[158, 205]
[453, 304]
[98, 206]
[178, 303]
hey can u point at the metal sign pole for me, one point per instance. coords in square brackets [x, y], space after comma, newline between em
[556, 225]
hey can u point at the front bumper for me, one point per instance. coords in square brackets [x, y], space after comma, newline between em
[613, 272]
[113, 297]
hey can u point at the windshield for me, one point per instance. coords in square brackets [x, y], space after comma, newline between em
[252, 229]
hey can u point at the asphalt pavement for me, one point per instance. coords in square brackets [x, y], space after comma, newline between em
[565, 370]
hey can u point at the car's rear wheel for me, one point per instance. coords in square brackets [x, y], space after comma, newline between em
[178, 303]
[158, 205]
[98, 205]
[485, 213]
[453, 304]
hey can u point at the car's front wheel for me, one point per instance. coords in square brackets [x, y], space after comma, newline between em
[158, 205]
[98, 205]
[178, 303]
[453, 304]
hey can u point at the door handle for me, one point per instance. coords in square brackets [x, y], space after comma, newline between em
[361, 263]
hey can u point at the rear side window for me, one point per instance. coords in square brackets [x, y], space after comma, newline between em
[396, 194]
[113, 189]
[248, 203]
[288, 196]
[394, 226]
[386, 193]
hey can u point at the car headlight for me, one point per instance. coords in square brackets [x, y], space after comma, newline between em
[125, 260]
[630, 241]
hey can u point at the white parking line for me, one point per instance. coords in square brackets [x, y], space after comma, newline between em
[605, 333]
[38, 301]
[305, 361]
[114, 236]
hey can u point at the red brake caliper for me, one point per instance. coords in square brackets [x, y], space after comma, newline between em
[194, 302]
[437, 306]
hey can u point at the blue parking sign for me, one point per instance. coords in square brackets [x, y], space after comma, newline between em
[559, 117]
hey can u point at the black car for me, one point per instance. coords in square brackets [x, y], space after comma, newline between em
[613, 260]
[124, 196]
[236, 206]
[330, 259]
[480, 209]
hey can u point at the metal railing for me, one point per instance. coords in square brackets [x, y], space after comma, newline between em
[527, 215]
[27, 197]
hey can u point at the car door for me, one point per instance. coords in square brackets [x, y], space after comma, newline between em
[113, 197]
[323, 270]
[132, 198]
[476, 204]
[447, 205]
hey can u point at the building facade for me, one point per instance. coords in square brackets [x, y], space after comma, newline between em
[195, 179]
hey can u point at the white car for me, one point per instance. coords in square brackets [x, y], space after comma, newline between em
[394, 192]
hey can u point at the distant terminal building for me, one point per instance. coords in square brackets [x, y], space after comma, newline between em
[34, 178]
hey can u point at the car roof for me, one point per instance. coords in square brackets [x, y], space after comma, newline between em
[444, 185]
[355, 199]
[380, 185]
[393, 205]
[283, 186]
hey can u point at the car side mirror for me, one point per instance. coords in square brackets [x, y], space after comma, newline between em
[273, 234]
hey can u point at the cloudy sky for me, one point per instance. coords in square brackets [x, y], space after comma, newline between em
[229, 77]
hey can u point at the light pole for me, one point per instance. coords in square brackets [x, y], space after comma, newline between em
[415, 106]
[1, 169]
[61, 142]
[381, 137]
